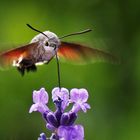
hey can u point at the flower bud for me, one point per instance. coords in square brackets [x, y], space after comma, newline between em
[52, 119]
[64, 119]
[73, 117]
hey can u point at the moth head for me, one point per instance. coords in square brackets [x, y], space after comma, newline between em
[50, 40]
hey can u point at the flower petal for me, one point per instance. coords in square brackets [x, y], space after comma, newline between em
[62, 93]
[38, 107]
[79, 98]
[74, 95]
[40, 96]
[44, 96]
[87, 105]
[42, 137]
[33, 108]
[83, 108]
[83, 95]
[78, 95]
[75, 132]
[76, 108]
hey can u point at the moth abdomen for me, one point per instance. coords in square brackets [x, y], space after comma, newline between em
[26, 65]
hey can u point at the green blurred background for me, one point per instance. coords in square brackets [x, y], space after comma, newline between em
[114, 89]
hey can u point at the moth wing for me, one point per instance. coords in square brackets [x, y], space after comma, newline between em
[7, 58]
[80, 54]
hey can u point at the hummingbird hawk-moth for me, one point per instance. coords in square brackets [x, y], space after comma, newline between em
[44, 47]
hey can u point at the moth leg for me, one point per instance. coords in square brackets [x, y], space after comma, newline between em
[49, 61]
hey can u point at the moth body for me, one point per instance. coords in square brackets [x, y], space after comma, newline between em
[44, 46]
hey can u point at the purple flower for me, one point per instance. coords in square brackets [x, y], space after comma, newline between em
[59, 122]
[79, 97]
[62, 94]
[75, 132]
[40, 99]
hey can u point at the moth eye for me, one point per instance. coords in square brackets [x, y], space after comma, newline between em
[53, 45]
[46, 44]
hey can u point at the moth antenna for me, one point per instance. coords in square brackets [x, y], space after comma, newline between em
[76, 33]
[36, 30]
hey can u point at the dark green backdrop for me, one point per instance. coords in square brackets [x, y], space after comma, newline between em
[114, 89]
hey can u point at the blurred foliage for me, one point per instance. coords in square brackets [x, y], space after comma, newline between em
[114, 89]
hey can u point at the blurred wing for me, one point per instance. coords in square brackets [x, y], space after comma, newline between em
[80, 54]
[7, 58]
